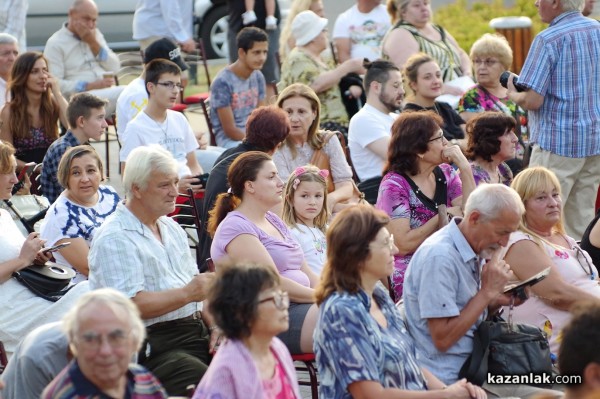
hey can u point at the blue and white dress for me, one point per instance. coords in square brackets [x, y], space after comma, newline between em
[66, 219]
[350, 346]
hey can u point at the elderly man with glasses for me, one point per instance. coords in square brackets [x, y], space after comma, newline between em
[104, 331]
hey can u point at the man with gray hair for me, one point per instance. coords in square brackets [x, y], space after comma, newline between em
[144, 254]
[561, 90]
[456, 279]
[104, 331]
[9, 51]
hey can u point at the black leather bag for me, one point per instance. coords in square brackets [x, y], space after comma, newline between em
[370, 189]
[49, 281]
[502, 348]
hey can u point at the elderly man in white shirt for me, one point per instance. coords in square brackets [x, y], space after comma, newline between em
[9, 51]
[79, 57]
[143, 253]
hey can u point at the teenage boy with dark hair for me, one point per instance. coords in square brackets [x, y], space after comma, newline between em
[86, 115]
[158, 124]
[239, 88]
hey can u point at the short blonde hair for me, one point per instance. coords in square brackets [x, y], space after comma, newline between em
[493, 45]
[527, 184]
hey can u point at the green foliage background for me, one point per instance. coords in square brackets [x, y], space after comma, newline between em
[467, 22]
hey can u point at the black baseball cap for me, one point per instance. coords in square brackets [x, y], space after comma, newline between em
[164, 48]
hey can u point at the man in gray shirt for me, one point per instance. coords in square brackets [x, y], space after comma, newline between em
[456, 278]
[41, 355]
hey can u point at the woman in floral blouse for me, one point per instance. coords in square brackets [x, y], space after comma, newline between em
[418, 182]
[362, 346]
[492, 55]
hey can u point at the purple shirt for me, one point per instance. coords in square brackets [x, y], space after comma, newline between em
[398, 200]
[287, 254]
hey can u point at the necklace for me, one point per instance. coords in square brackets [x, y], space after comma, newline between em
[166, 128]
[317, 242]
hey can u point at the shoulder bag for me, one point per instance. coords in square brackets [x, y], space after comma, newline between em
[504, 348]
[49, 281]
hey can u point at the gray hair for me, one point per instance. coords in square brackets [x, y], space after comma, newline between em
[113, 299]
[140, 164]
[7, 38]
[572, 5]
[491, 199]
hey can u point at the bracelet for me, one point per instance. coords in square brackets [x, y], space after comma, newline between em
[213, 328]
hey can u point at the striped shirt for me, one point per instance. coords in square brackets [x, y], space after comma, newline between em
[71, 383]
[126, 256]
[562, 65]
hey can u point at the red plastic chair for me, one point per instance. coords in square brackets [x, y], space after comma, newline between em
[308, 359]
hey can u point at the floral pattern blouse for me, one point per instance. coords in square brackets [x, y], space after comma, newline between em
[350, 346]
[477, 100]
[482, 176]
[398, 200]
[301, 68]
[33, 148]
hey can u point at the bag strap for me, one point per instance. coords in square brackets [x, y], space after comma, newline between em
[52, 297]
[441, 190]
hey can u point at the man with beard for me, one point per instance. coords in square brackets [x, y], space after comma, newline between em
[456, 279]
[369, 130]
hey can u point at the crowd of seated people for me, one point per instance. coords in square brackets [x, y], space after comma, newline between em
[386, 298]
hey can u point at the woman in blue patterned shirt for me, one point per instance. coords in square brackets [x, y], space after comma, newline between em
[361, 344]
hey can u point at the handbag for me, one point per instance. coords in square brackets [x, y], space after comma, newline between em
[370, 189]
[49, 281]
[321, 160]
[504, 348]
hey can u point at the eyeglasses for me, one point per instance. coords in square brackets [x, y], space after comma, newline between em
[93, 341]
[579, 254]
[489, 62]
[279, 298]
[389, 242]
[440, 137]
[171, 85]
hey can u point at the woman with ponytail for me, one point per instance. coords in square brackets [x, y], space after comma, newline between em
[244, 230]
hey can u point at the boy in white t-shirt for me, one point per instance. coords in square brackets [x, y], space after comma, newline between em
[158, 124]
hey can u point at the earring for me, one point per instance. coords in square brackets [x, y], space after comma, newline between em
[420, 156]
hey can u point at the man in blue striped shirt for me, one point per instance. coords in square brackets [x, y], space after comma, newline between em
[562, 80]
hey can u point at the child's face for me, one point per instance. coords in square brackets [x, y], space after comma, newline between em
[94, 126]
[308, 201]
[166, 91]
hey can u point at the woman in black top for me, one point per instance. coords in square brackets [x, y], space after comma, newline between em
[425, 79]
[591, 240]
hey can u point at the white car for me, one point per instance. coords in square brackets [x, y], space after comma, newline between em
[45, 17]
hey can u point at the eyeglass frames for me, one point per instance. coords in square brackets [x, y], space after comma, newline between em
[590, 268]
[279, 298]
[488, 62]
[170, 85]
[439, 137]
[93, 340]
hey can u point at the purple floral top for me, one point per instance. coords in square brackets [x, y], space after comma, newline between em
[478, 100]
[482, 176]
[33, 148]
[398, 200]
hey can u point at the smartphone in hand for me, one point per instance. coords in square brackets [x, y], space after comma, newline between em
[27, 170]
[56, 247]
